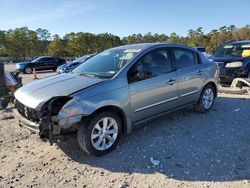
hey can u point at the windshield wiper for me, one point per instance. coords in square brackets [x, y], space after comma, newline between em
[87, 75]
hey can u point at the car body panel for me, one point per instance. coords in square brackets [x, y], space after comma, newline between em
[149, 97]
[34, 94]
[228, 74]
[137, 101]
[189, 84]
[65, 68]
[43, 63]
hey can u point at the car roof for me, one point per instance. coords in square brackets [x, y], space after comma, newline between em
[198, 47]
[144, 46]
[240, 42]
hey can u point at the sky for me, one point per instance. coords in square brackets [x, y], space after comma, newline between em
[123, 17]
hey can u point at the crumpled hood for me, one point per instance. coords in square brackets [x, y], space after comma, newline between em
[38, 92]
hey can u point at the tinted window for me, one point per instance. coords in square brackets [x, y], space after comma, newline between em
[46, 59]
[152, 64]
[184, 58]
[49, 59]
[41, 60]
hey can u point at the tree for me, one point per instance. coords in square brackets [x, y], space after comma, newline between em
[44, 38]
[3, 43]
[17, 43]
[57, 47]
[22, 43]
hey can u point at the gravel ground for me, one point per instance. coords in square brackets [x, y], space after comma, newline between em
[193, 150]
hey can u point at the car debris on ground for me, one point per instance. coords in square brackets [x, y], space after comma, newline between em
[238, 86]
[9, 82]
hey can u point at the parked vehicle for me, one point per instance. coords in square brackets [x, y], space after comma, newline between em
[233, 59]
[202, 50]
[120, 87]
[40, 63]
[65, 68]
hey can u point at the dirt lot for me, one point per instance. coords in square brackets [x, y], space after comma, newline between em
[194, 150]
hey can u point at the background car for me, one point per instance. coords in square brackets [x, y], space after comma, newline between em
[70, 66]
[40, 63]
[201, 49]
[103, 97]
[233, 59]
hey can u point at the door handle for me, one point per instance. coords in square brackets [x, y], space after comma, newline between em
[199, 72]
[171, 82]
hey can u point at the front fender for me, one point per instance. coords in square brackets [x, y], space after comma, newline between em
[77, 108]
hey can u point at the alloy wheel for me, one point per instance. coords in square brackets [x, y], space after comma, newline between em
[28, 70]
[208, 98]
[104, 133]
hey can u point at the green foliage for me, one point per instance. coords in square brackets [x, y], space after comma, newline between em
[22, 43]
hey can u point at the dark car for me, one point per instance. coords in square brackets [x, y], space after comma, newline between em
[233, 59]
[40, 63]
[70, 66]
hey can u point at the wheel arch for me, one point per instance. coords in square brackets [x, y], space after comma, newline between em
[125, 125]
[213, 85]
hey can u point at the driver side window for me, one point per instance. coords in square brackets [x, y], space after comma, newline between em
[152, 64]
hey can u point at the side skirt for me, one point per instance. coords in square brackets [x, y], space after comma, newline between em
[161, 114]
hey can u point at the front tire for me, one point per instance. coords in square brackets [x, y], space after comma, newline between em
[100, 134]
[206, 100]
[28, 70]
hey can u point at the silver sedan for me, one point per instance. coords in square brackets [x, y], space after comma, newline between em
[115, 90]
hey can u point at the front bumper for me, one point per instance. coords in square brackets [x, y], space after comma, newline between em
[228, 74]
[19, 70]
[35, 127]
[23, 122]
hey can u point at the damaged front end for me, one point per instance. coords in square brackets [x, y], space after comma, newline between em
[47, 122]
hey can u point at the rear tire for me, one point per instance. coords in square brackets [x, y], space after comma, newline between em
[206, 100]
[100, 134]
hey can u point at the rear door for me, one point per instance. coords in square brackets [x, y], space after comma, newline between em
[152, 85]
[189, 73]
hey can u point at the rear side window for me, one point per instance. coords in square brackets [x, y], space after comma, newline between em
[184, 58]
[48, 59]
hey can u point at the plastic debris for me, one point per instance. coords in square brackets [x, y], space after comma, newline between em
[236, 110]
[154, 162]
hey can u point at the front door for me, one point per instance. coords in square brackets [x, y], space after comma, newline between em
[152, 85]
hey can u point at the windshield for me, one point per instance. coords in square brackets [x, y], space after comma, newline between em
[233, 50]
[35, 60]
[107, 63]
